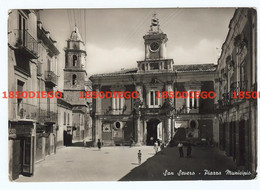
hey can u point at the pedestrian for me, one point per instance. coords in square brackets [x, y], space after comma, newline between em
[188, 150]
[156, 147]
[162, 147]
[99, 144]
[159, 142]
[139, 155]
[180, 146]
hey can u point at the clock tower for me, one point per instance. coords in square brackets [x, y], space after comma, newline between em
[155, 50]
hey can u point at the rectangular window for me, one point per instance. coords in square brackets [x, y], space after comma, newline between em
[154, 101]
[152, 98]
[49, 65]
[64, 122]
[118, 104]
[20, 85]
[22, 26]
[190, 106]
[193, 103]
[68, 119]
[243, 77]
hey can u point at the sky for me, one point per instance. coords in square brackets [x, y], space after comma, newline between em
[114, 37]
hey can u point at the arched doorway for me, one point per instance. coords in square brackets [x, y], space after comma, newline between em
[152, 131]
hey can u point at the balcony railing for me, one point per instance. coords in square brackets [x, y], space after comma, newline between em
[26, 110]
[238, 86]
[46, 117]
[150, 111]
[27, 43]
[50, 78]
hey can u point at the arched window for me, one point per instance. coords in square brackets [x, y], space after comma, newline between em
[74, 79]
[75, 58]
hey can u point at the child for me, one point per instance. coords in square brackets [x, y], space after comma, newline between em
[139, 154]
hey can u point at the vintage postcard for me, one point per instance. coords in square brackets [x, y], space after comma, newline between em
[132, 94]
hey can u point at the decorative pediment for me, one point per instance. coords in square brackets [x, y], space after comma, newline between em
[155, 81]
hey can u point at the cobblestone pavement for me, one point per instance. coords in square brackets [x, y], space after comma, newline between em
[88, 164]
[121, 163]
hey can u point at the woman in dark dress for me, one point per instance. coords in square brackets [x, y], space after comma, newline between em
[99, 144]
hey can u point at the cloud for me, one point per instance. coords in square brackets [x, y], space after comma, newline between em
[205, 51]
[103, 60]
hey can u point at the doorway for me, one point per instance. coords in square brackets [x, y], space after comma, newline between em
[152, 131]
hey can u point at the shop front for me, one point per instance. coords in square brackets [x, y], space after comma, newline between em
[22, 143]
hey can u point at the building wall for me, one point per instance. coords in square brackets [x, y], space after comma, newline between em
[27, 64]
[64, 123]
[237, 72]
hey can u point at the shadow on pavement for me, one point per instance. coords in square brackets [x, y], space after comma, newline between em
[77, 144]
[205, 164]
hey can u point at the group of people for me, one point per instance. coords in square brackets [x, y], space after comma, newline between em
[180, 146]
[158, 144]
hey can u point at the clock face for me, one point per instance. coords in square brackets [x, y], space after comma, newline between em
[154, 46]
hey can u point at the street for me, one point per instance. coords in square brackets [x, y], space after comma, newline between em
[77, 163]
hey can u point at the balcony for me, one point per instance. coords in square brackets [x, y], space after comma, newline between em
[223, 103]
[26, 44]
[50, 79]
[48, 117]
[237, 87]
[217, 107]
[150, 111]
[25, 110]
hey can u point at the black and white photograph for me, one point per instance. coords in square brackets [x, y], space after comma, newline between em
[132, 94]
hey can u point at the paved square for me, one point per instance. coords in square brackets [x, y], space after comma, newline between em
[77, 163]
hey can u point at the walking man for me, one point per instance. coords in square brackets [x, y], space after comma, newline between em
[139, 155]
[189, 150]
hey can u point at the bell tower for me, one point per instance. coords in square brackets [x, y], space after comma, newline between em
[155, 50]
[75, 74]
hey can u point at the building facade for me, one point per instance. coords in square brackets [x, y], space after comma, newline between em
[151, 116]
[32, 66]
[236, 74]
